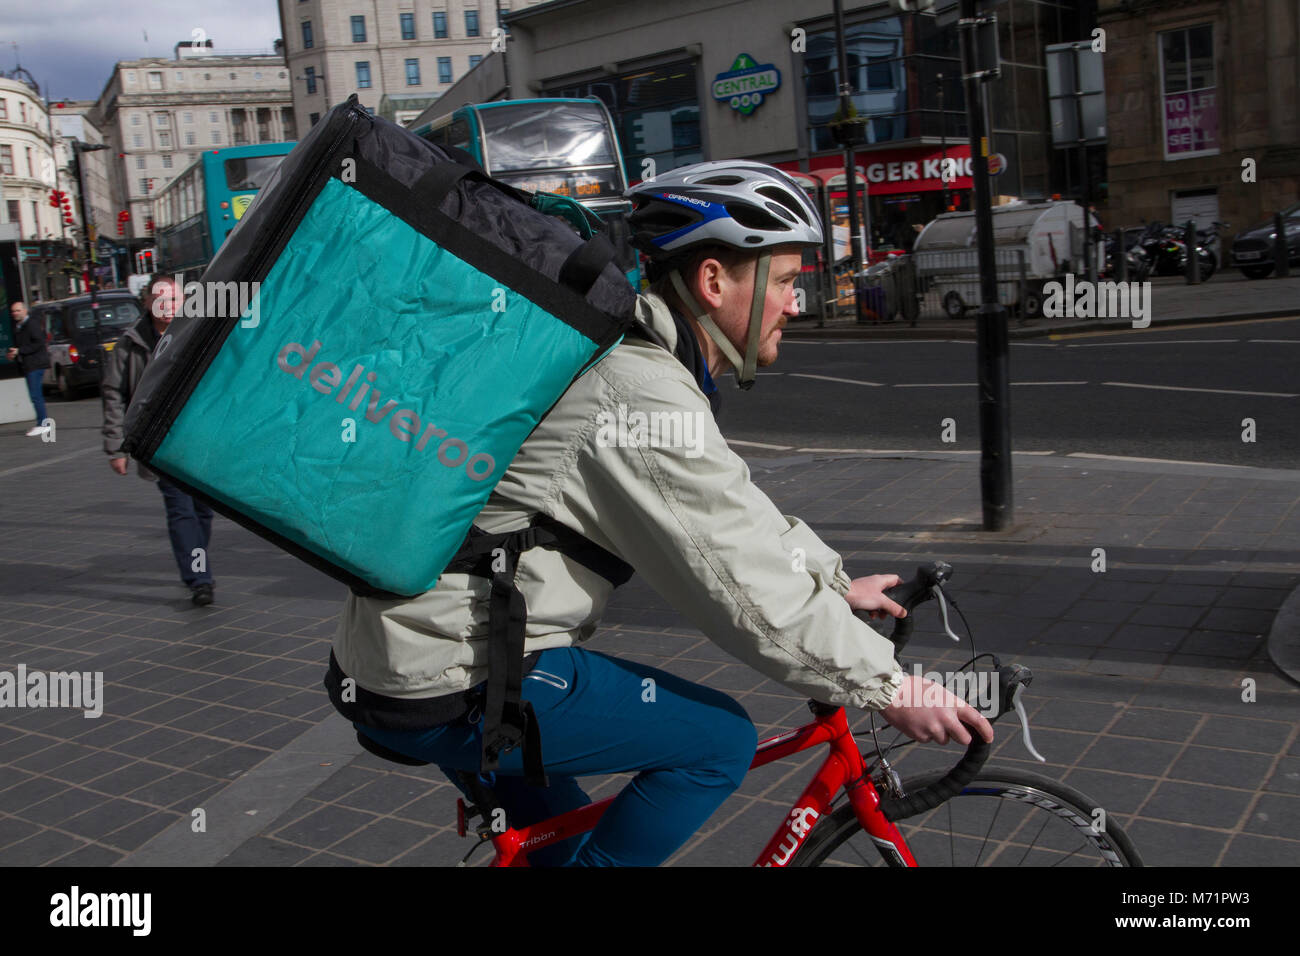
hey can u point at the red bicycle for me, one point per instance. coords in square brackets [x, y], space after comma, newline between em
[1009, 817]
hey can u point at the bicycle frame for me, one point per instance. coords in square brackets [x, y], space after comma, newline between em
[843, 768]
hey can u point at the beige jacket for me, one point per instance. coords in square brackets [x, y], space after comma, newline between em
[759, 584]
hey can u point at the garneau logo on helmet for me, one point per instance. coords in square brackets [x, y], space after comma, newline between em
[689, 199]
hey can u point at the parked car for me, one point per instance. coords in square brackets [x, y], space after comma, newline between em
[77, 348]
[1252, 250]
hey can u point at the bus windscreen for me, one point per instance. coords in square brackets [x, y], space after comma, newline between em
[546, 136]
[251, 172]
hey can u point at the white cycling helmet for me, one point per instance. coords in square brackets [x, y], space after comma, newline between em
[736, 203]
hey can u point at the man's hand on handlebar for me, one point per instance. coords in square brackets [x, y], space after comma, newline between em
[929, 713]
[867, 594]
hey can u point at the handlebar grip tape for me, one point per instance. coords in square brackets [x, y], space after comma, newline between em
[927, 798]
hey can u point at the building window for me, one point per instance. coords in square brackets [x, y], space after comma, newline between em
[1190, 94]
[31, 167]
[187, 118]
[14, 215]
[135, 119]
[22, 111]
[874, 53]
[212, 116]
[408, 25]
[155, 81]
[358, 29]
[139, 162]
[263, 125]
[444, 69]
[160, 119]
[167, 161]
[216, 137]
[306, 35]
[439, 25]
[257, 75]
[474, 60]
[313, 118]
[7, 160]
[310, 76]
[656, 112]
[180, 77]
[165, 140]
[471, 23]
[413, 72]
[4, 109]
[287, 125]
[130, 78]
[363, 74]
[189, 138]
[137, 140]
[144, 185]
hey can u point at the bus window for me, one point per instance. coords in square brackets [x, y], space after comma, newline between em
[545, 136]
[252, 172]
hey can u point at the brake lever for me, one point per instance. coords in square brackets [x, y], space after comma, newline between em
[1024, 723]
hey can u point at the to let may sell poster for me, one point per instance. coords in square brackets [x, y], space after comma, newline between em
[1191, 124]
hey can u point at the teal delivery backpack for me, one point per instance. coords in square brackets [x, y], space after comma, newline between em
[362, 360]
[412, 322]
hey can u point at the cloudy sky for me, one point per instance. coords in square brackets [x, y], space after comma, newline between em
[70, 46]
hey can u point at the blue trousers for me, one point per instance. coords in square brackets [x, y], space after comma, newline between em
[189, 525]
[690, 747]
[34, 390]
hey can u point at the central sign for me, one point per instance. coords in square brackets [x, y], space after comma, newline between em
[745, 85]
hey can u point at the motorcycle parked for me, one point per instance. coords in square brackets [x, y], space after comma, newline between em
[1165, 249]
[1137, 266]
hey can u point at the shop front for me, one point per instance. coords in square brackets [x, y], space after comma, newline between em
[905, 186]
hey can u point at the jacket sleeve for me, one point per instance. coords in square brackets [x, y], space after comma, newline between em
[116, 393]
[760, 585]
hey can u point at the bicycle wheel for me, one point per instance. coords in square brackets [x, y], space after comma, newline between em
[1004, 817]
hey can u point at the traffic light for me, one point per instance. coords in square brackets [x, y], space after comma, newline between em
[146, 261]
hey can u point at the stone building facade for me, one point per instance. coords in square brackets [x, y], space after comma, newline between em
[159, 113]
[1198, 93]
[394, 49]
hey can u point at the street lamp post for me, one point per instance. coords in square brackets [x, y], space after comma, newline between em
[92, 281]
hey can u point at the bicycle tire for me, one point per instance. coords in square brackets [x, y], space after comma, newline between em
[1068, 811]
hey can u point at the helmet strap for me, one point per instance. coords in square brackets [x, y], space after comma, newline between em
[745, 375]
[705, 320]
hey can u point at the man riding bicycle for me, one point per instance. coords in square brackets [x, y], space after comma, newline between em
[724, 241]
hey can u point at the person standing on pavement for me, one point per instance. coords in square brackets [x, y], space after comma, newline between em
[33, 359]
[189, 521]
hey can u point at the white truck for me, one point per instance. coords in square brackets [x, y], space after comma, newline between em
[1034, 243]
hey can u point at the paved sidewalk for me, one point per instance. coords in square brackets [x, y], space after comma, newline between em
[1227, 296]
[1137, 701]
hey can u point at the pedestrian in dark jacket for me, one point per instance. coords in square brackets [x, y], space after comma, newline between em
[33, 359]
[189, 521]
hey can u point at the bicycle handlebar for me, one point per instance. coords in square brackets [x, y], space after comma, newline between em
[1010, 679]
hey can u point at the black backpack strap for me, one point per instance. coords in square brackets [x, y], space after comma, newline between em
[508, 719]
[585, 264]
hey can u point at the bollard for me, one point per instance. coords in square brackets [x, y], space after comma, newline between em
[1189, 247]
[1282, 267]
[1121, 257]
